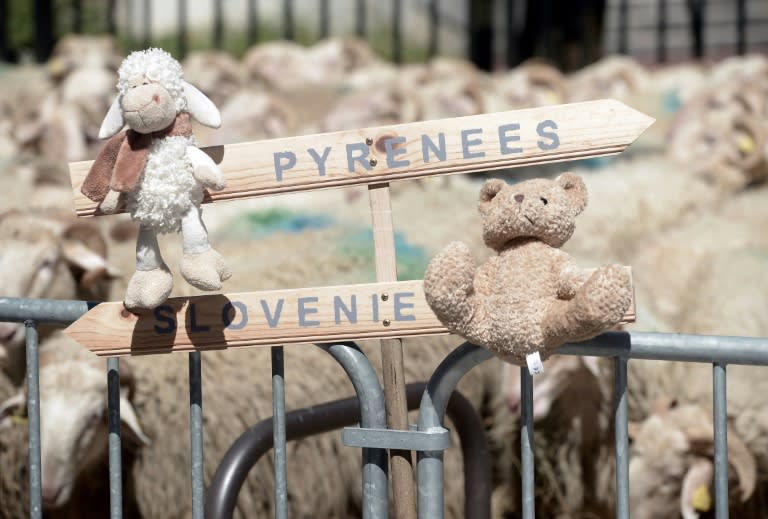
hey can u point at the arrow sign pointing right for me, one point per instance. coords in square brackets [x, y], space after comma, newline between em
[405, 151]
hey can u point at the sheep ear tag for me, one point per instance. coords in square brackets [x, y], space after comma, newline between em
[200, 107]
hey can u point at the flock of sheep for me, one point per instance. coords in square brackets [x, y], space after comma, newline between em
[685, 206]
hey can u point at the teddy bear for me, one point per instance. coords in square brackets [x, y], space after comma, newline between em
[529, 298]
[156, 171]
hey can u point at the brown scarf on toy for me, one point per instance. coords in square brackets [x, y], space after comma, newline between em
[119, 164]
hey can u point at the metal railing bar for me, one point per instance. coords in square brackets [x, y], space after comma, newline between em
[111, 27]
[147, 21]
[325, 19]
[182, 22]
[672, 346]
[253, 22]
[526, 444]
[19, 310]
[278, 433]
[113, 426]
[741, 26]
[397, 43]
[621, 427]
[721, 440]
[360, 15]
[33, 415]
[196, 433]
[661, 31]
[431, 413]
[246, 451]
[218, 24]
[434, 27]
[77, 16]
[623, 25]
[288, 20]
[372, 415]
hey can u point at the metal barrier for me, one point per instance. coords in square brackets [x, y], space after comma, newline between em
[428, 440]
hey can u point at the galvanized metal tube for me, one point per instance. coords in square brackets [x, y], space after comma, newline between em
[278, 433]
[673, 346]
[18, 310]
[621, 439]
[113, 426]
[721, 440]
[253, 22]
[182, 30]
[372, 415]
[196, 433]
[33, 414]
[526, 443]
[361, 15]
[431, 414]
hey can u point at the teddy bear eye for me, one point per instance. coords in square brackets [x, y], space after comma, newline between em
[544, 200]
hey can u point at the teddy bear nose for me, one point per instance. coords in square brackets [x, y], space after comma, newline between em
[519, 198]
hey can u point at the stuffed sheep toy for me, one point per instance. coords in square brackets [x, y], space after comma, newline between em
[156, 172]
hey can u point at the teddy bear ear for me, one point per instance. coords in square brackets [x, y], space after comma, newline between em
[575, 190]
[490, 189]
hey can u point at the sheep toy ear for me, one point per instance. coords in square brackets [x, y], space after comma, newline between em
[200, 107]
[113, 122]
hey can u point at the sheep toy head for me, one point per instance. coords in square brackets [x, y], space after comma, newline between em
[155, 170]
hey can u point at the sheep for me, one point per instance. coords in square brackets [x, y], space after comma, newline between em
[666, 474]
[255, 115]
[528, 86]
[216, 73]
[671, 266]
[612, 76]
[47, 256]
[323, 475]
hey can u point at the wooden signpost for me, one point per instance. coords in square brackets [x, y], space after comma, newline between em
[388, 310]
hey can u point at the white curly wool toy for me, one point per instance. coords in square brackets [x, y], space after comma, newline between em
[156, 172]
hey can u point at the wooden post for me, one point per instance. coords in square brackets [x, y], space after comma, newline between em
[392, 354]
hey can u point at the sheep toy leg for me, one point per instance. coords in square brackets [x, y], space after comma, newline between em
[152, 282]
[201, 266]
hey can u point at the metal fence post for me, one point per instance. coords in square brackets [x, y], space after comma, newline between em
[278, 433]
[33, 414]
[721, 440]
[113, 425]
[431, 414]
[526, 444]
[621, 438]
[196, 433]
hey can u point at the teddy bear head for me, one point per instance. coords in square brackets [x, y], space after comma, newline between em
[543, 209]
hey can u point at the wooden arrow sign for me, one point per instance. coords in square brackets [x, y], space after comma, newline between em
[307, 315]
[383, 154]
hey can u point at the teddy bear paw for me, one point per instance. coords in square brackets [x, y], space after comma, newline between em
[148, 289]
[205, 270]
[606, 295]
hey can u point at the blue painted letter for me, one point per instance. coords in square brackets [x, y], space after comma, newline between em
[393, 152]
[504, 138]
[466, 142]
[339, 306]
[362, 157]
[303, 311]
[320, 160]
[541, 129]
[399, 305]
[273, 320]
[193, 326]
[427, 144]
[230, 308]
[281, 166]
[167, 319]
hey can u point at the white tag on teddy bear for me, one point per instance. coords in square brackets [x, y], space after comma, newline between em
[535, 366]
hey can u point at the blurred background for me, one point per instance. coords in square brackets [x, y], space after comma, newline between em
[686, 205]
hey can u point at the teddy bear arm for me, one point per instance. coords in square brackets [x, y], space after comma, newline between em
[449, 285]
[205, 169]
